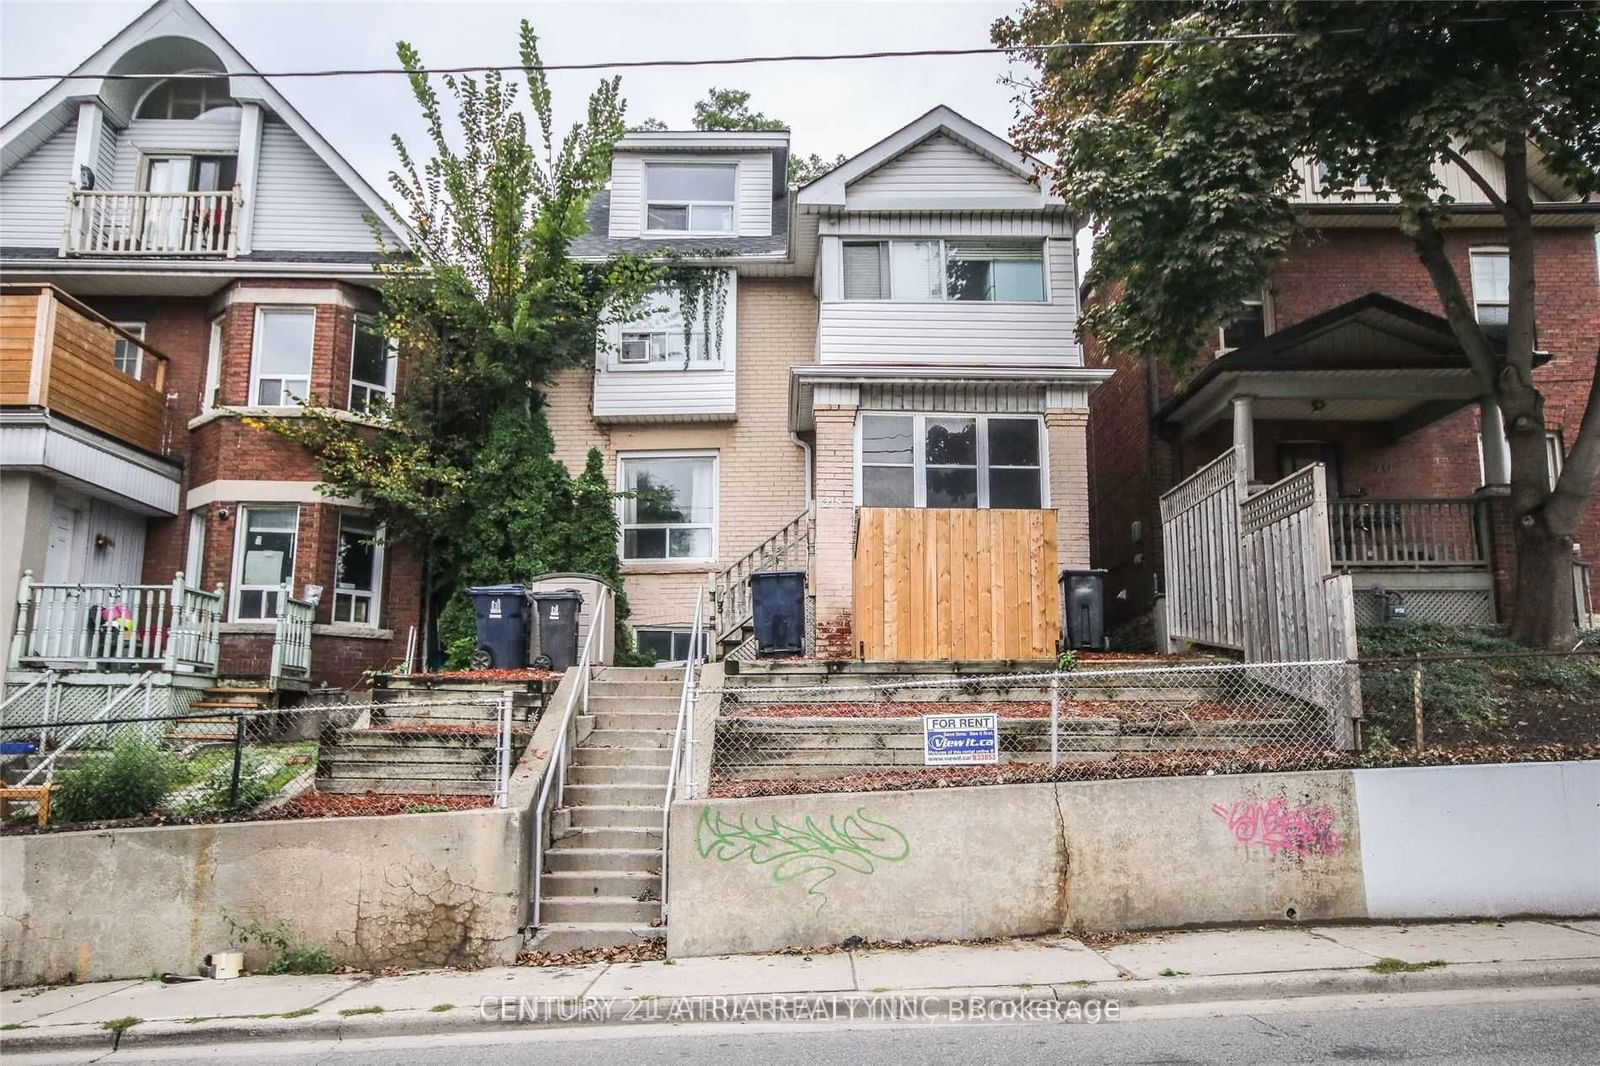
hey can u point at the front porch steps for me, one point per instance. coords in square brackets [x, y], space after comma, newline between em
[197, 727]
[601, 882]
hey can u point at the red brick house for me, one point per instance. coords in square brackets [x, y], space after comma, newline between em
[1346, 360]
[179, 254]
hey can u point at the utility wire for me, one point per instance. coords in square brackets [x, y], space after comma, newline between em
[732, 61]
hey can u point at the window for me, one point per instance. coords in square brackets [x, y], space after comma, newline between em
[264, 559]
[208, 393]
[668, 645]
[281, 370]
[1553, 459]
[190, 173]
[188, 98]
[357, 571]
[690, 197]
[371, 366]
[656, 338]
[960, 461]
[1296, 455]
[936, 270]
[1246, 327]
[127, 356]
[194, 559]
[670, 508]
[1361, 183]
[1491, 290]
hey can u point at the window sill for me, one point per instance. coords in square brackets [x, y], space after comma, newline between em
[667, 566]
[296, 411]
[336, 629]
[669, 234]
[657, 368]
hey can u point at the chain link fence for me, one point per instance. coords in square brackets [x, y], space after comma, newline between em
[323, 759]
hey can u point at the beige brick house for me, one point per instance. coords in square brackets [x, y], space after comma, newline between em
[878, 381]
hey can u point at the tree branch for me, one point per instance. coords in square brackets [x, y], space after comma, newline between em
[1458, 311]
[1582, 468]
[1477, 178]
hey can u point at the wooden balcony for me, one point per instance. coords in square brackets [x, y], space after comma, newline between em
[59, 355]
[1406, 534]
[956, 584]
[152, 223]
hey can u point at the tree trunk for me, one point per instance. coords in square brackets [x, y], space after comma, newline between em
[1544, 614]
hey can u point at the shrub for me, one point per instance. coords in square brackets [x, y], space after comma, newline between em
[212, 791]
[129, 780]
[287, 956]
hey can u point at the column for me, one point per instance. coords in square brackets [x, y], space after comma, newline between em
[1067, 431]
[835, 502]
[1496, 449]
[1244, 435]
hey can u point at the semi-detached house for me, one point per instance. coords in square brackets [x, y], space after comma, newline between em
[877, 380]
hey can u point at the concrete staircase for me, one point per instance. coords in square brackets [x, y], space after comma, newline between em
[601, 882]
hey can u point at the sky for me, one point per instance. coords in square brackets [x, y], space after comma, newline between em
[832, 108]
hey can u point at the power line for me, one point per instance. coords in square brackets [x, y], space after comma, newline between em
[826, 57]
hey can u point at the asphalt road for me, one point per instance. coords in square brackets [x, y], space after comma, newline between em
[1532, 1026]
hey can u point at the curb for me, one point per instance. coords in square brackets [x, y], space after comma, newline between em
[627, 1011]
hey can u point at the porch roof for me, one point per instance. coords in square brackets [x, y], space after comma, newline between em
[1374, 359]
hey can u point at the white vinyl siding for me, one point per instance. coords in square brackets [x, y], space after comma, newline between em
[302, 204]
[33, 194]
[941, 168]
[1455, 181]
[668, 391]
[950, 333]
[753, 215]
[105, 165]
[162, 137]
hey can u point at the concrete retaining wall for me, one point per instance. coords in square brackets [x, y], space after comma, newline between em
[782, 871]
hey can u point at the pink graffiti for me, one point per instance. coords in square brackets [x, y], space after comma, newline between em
[1279, 828]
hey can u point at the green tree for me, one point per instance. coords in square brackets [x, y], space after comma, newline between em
[729, 109]
[487, 306]
[1182, 154]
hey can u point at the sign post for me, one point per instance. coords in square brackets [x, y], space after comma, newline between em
[960, 739]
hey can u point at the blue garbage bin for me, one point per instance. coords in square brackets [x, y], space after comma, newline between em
[778, 602]
[501, 612]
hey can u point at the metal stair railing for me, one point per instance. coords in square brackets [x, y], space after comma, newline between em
[681, 761]
[730, 589]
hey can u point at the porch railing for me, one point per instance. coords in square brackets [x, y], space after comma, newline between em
[789, 547]
[171, 627]
[1405, 534]
[152, 223]
[291, 639]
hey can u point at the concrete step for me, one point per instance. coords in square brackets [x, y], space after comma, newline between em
[651, 721]
[558, 937]
[635, 674]
[634, 704]
[615, 816]
[618, 775]
[615, 796]
[608, 756]
[561, 859]
[614, 837]
[635, 689]
[590, 883]
[630, 738]
[564, 909]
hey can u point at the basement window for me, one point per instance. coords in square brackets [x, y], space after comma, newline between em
[669, 644]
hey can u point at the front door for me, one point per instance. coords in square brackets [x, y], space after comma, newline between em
[60, 616]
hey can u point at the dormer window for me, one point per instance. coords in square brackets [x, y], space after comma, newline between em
[690, 197]
[189, 98]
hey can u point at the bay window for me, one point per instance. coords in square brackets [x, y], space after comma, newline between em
[951, 461]
[690, 197]
[371, 366]
[669, 507]
[263, 559]
[357, 571]
[280, 366]
[930, 271]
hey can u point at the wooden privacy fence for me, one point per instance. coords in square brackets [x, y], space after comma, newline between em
[956, 584]
[1200, 538]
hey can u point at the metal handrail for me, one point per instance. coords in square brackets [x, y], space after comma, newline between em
[682, 739]
[555, 768]
[144, 680]
[730, 588]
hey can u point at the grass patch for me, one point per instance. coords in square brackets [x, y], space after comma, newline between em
[426, 808]
[301, 1013]
[118, 1026]
[10, 1027]
[1168, 971]
[1388, 964]
[440, 1008]
[351, 1012]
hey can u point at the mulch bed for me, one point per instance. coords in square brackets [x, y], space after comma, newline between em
[1148, 764]
[644, 951]
[1122, 712]
[509, 674]
[333, 805]
[445, 729]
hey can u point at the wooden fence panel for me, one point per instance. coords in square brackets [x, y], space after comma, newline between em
[1200, 539]
[956, 584]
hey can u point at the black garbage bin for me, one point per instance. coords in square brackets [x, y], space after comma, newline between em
[501, 612]
[778, 600]
[1083, 616]
[556, 628]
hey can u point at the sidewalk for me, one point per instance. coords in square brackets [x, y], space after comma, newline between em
[1046, 972]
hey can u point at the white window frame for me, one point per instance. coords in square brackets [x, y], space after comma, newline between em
[256, 377]
[1267, 325]
[1554, 458]
[371, 389]
[1319, 172]
[919, 448]
[623, 458]
[689, 205]
[676, 631]
[374, 596]
[137, 329]
[944, 271]
[213, 380]
[610, 354]
[194, 551]
[1500, 251]
[241, 526]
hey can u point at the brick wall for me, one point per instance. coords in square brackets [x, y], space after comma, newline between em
[1069, 485]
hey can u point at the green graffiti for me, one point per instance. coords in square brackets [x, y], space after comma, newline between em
[812, 854]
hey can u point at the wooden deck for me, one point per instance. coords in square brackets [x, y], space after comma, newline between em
[956, 584]
[57, 354]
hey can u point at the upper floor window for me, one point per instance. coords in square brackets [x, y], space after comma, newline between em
[190, 173]
[1247, 326]
[657, 337]
[280, 366]
[951, 461]
[1361, 183]
[690, 197]
[127, 356]
[670, 507]
[183, 98]
[928, 271]
[1491, 290]
[372, 366]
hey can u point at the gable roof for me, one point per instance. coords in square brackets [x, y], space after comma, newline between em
[830, 190]
[37, 122]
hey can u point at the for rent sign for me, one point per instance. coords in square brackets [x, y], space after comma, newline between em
[960, 739]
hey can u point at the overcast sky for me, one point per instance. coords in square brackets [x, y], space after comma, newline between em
[832, 107]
